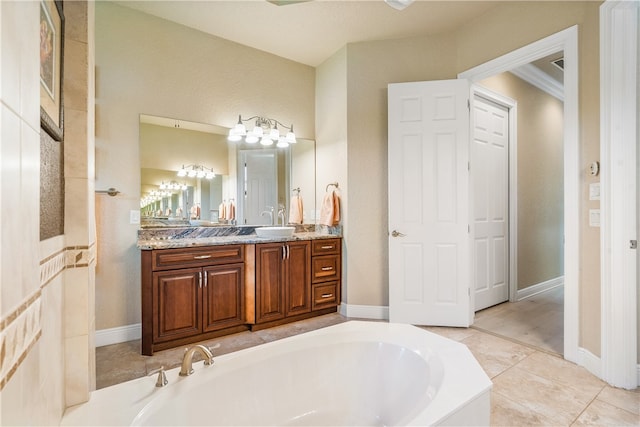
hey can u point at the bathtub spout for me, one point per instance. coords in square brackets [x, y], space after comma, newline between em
[187, 360]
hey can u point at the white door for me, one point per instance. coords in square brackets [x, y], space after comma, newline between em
[490, 189]
[260, 189]
[429, 240]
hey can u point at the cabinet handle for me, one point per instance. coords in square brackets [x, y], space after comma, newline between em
[326, 268]
[202, 257]
[327, 295]
[327, 247]
[200, 279]
[205, 279]
[284, 252]
[288, 251]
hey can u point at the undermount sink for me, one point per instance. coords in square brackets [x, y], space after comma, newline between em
[275, 232]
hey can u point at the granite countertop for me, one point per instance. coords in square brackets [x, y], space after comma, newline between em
[227, 240]
[170, 241]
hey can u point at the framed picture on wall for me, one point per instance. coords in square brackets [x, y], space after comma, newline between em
[51, 61]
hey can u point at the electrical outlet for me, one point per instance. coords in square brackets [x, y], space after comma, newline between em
[594, 217]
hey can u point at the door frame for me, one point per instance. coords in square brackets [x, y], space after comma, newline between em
[618, 135]
[566, 41]
[512, 106]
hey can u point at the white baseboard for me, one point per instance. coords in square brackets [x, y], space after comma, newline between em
[118, 335]
[365, 311]
[590, 362]
[539, 288]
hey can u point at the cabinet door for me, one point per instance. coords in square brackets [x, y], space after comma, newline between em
[223, 297]
[176, 304]
[269, 282]
[298, 286]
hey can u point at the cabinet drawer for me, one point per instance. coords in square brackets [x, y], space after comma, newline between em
[325, 268]
[325, 247]
[190, 257]
[325, 295]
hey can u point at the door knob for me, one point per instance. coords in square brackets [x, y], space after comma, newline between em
[395, 233]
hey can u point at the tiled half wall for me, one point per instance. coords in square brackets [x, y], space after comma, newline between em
[22, 328]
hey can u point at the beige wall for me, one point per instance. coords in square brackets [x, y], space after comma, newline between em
[515, 24]
[170, 71]
[46, 287]
[372, 65]
[351, 106]
[540, 179]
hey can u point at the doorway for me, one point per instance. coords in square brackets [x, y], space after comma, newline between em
[565, 41]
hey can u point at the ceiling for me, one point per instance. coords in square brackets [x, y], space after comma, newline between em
[310, 32]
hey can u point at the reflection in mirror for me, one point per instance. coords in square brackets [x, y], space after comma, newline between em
[191, 174]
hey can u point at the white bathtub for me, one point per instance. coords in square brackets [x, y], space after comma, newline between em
[354, 373]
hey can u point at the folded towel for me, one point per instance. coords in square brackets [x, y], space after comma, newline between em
[230, 211]
[330, 209]
[222, 212]
[295, 210]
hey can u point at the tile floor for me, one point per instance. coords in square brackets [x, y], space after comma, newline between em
[530, 386]
[537, 320]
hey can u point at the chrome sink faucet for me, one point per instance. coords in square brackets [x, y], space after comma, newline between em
[270, 213]
[187, 359]
[282, 215]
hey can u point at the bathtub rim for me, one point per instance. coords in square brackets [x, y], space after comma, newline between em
[465, 380]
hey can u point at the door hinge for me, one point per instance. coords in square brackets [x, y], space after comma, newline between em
[468, 228]
[468, 105]
[469, 291]
[468, 166]
[633, 244]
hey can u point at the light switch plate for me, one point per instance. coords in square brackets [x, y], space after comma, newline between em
[594, 191]
[134, 217]
[594, 217]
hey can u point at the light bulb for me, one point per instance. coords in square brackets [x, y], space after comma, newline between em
[266, 141]
[192, 173]
[251, 138]
[182, 172]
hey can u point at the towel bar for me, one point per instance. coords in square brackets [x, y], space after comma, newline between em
[335, 184]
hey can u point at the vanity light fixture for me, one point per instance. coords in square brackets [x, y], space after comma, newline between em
[173, 185]
[265, 130]
[196, 171]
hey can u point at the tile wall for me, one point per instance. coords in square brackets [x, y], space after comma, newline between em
[46, 288]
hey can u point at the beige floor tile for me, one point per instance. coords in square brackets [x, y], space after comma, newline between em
[559, 403]
[505, 412]
[456, 334]
[600, 413]
[562, 372]
[536, 321]
[628, 400]
[494, 354]
[119, 363]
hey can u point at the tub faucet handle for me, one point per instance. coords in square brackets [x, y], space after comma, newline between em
[162, 377]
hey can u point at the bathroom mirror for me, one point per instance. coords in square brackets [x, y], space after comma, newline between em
[224, 183]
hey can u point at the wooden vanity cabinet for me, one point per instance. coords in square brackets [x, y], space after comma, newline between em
[283, 281]
[326, 262]
[183, 305]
